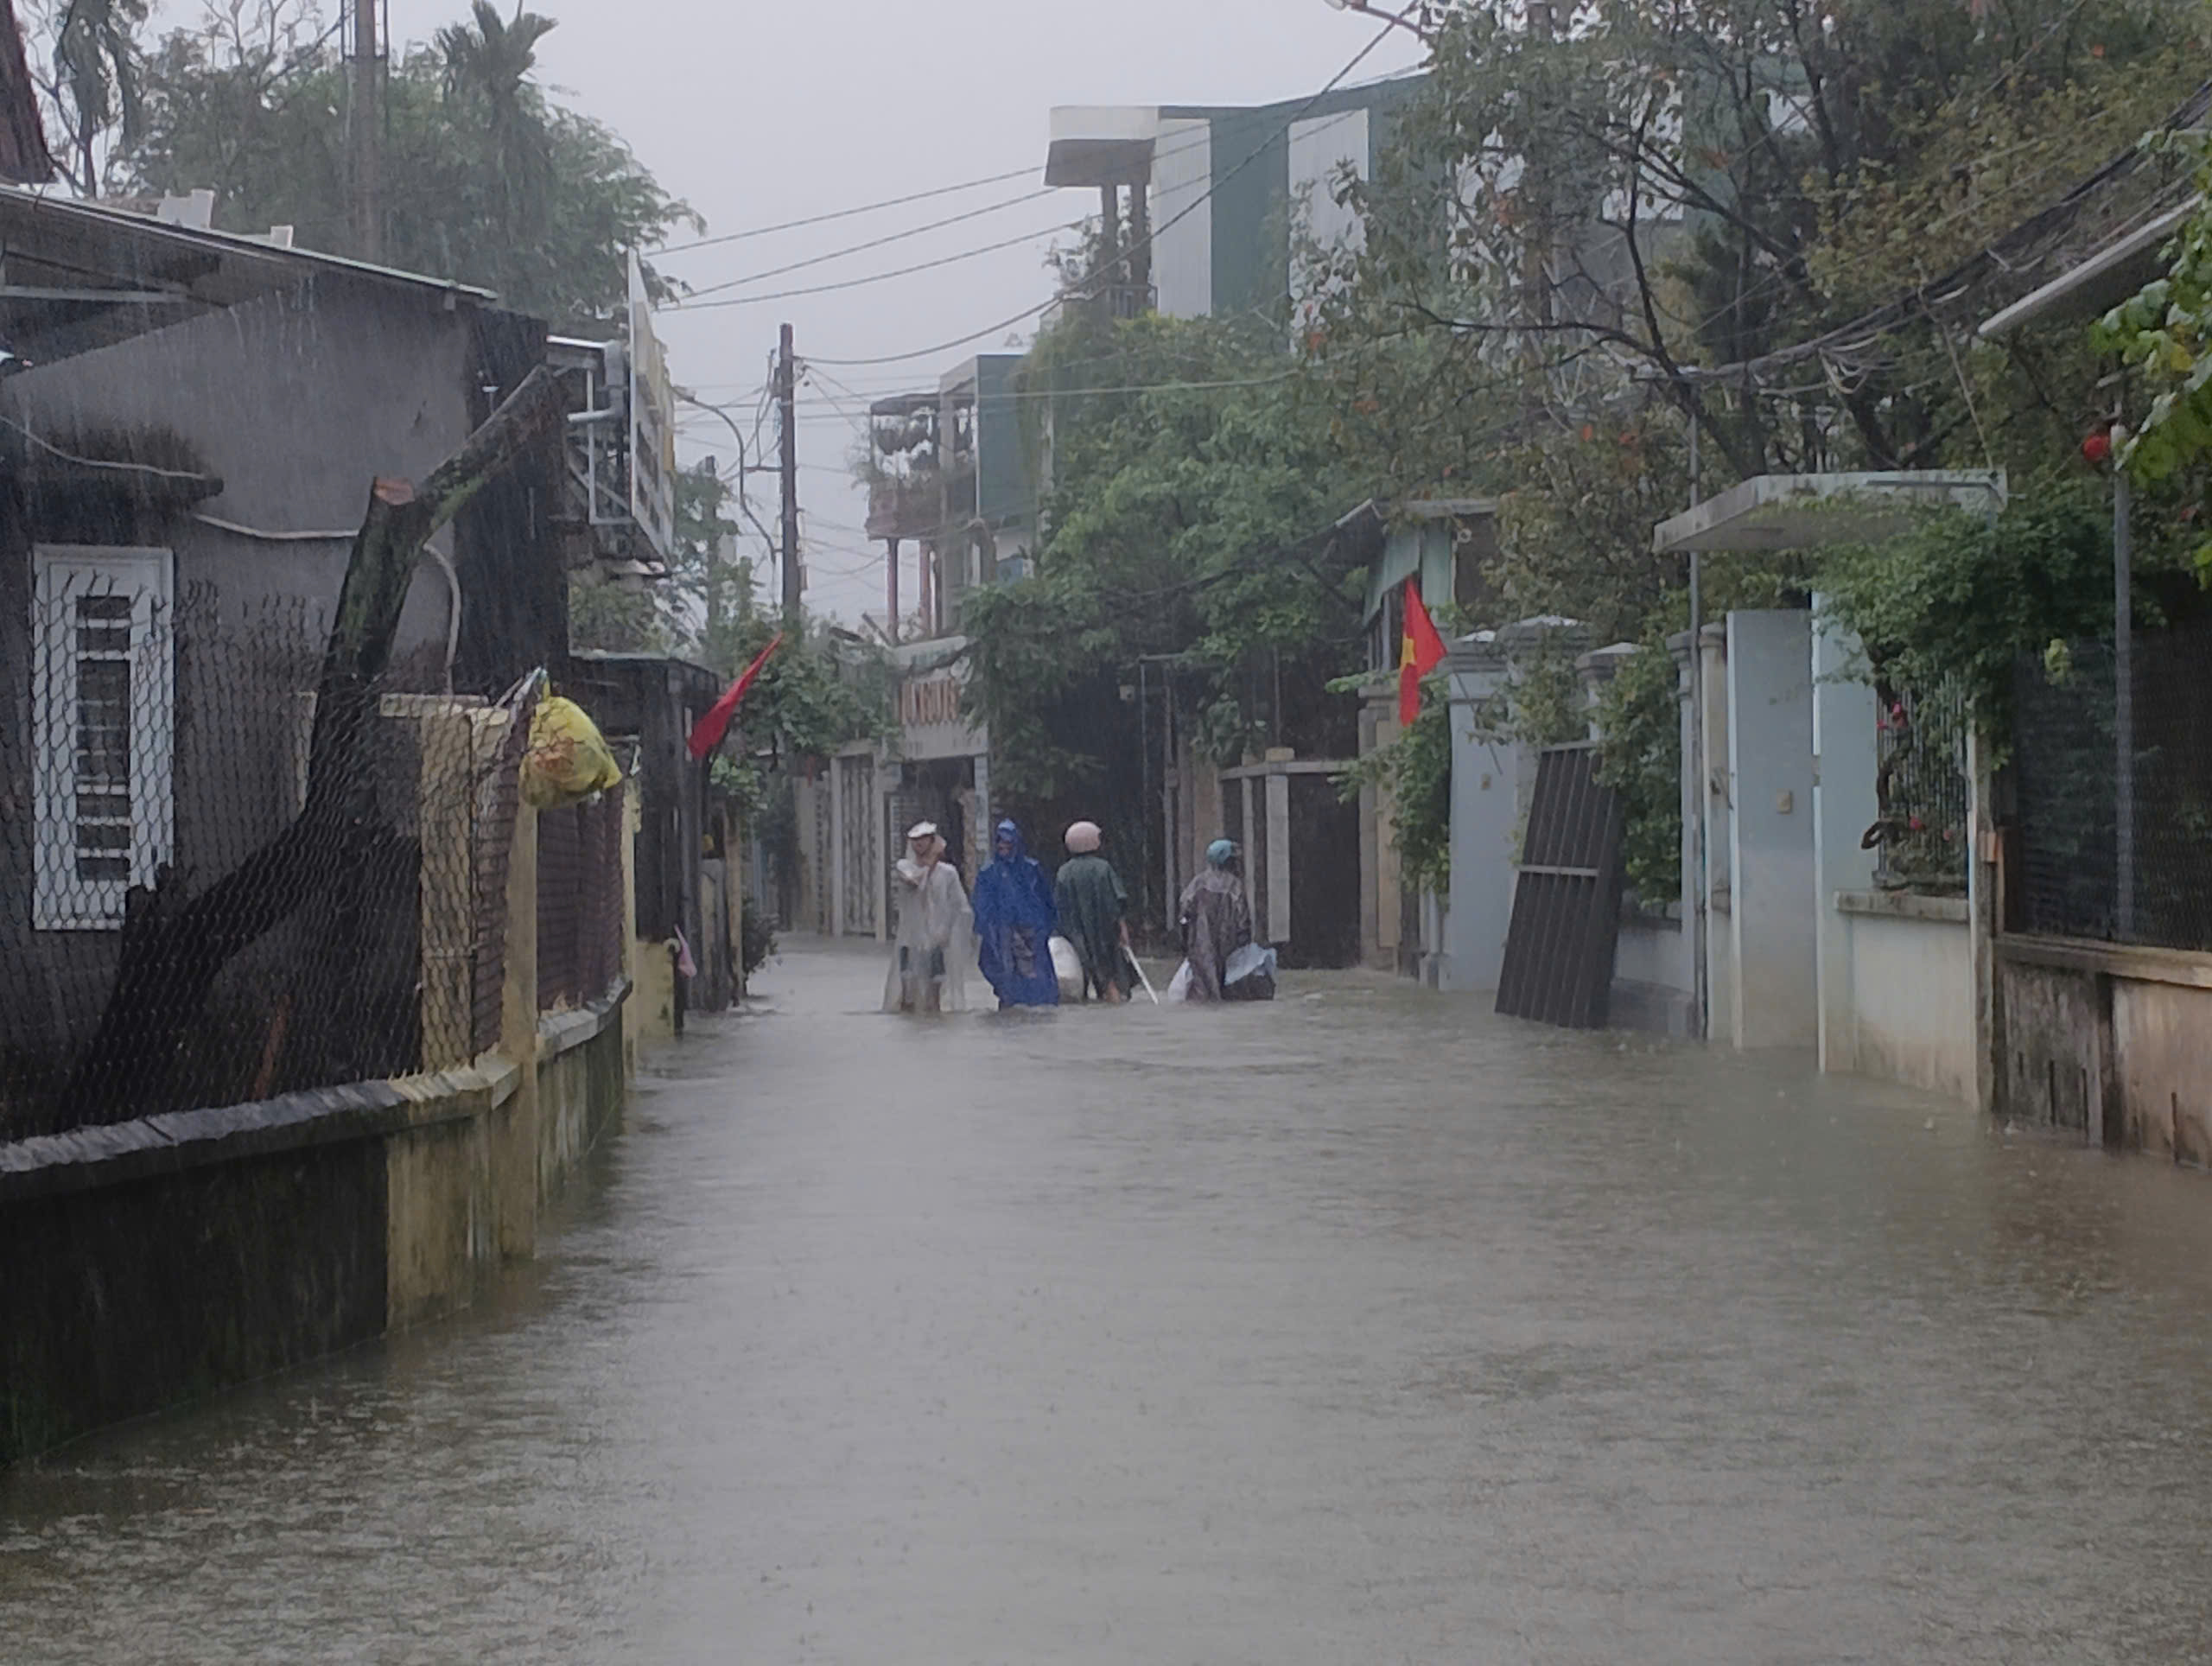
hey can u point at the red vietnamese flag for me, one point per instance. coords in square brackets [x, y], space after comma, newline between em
[707, 733]
[1420, 652]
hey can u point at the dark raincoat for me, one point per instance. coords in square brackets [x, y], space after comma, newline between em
[1014, 922]
[1091, 903]
[1216, 921]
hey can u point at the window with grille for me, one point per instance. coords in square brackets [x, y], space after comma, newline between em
[103, 698]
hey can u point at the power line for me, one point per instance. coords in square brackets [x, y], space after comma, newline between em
[873, 277]
[872, 391]
[873, 243]
[1152, 237]
[847, 213]
[1159, 153]
[838, 415]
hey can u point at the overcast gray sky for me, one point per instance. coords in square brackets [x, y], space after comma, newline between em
[767, 110]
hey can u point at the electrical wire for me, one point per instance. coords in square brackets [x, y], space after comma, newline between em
[873, 277]
[838, 416]
[1160, 152]
[848, 214]
[53, 450]
[873, 243]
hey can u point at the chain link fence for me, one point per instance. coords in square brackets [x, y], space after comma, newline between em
[231, 893]
[2085, 871]
[580, 895]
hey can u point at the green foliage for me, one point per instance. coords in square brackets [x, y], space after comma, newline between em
[1541, 705]
[1544, 704]
[614, 618]
[486, 179]
[1639, 715]
[1172, 522]
[2164, 332]
[1414, 772]
[1574, 531]
[819, 693]
[1562, 223]
[756, 939]
[1964, 596]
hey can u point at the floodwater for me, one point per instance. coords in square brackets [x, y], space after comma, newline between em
[1362, 1328]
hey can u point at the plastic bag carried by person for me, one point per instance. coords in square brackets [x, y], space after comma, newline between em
[1250, 975]
[568, 760]
[1067, 966]
[1179, 987]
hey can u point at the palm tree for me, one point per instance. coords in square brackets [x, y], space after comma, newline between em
[487, 70]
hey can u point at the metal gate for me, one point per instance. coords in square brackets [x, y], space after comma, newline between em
[1566, 902]
[858, 815]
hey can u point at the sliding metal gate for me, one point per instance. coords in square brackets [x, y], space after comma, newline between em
[1566, 902]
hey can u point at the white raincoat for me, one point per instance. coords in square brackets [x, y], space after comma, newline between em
[935, 940]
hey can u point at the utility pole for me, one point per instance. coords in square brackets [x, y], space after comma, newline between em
[891, 582]
[786, 407]
[367, 136]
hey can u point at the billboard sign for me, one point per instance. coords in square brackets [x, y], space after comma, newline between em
[931, 722]
[653, 424]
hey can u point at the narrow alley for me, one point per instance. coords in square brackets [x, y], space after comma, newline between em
[1358, 1328]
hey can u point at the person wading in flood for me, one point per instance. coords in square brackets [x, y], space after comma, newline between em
[1216, 920]
[1014, 920]
[925, 965]
[1093, 910]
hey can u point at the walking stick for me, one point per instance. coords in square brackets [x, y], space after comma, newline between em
[1130, 955]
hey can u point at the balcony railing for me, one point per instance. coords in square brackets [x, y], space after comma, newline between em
[911, 507]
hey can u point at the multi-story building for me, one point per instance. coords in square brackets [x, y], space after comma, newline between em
[1202, 211]
[1211, 201]
[949, 471]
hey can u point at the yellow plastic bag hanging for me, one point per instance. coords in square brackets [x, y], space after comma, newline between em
[569, 758]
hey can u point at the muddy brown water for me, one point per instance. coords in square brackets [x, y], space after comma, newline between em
[1364, 1327]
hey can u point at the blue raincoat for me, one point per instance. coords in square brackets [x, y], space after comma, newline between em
[1015, 921]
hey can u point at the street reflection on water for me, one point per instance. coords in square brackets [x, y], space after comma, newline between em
[1364, 1326]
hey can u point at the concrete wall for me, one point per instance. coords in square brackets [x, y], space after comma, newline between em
[1182, 246]
[247, 394]
[1319, 147]
[582, 1068]
[1486, 793]
[158, 1260]
[1905, 1007]
[1651, 989]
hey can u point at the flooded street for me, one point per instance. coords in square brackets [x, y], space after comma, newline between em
[1363, 1327]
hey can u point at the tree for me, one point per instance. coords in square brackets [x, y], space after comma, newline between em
[1191, 470]
[487, 181]
[1766, 221]
[488, 84]
[90, 79]
[2164, 333]
[1584, 220]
